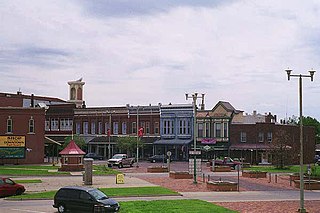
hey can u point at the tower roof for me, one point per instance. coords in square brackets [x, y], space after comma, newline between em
[72, 149]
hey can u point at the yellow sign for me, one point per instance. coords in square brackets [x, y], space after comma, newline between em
[119, 179]
[12, 141]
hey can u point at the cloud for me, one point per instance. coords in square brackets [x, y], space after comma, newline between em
[142, 52]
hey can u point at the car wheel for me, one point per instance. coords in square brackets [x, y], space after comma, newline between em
[61, 208]
[153, 161]
[19, 191]
[120, 166]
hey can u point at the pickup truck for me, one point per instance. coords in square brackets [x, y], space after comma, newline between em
[120, 160]
[227, 161]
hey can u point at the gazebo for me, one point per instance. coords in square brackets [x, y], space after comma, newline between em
[72, 158]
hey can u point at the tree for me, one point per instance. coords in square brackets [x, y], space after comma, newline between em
[129, 144]
[309, 121]
[78, 140]
[283, 153]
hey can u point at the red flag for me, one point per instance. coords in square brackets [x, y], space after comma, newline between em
[140, 132]
[108, 132]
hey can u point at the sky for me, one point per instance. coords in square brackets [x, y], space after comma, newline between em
[142, 52]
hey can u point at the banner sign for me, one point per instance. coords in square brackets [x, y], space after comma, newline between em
[12, 152]
[12, 141]
[208, 141]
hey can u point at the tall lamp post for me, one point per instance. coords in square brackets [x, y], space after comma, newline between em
[137, 129]
[301, 209]
[109, 135]
[194, 97]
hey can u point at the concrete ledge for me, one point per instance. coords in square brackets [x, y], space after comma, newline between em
[157, 169]
[221, 169]
[180, 175]
[254, 174]
[222, 186]
[308, 185]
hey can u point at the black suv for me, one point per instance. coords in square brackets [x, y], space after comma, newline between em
[83, 199]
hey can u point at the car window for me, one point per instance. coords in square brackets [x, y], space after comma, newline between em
[73, 194]
[97, 194]
[8, 181]
[62, 193]
[1, 182]
[84, 196]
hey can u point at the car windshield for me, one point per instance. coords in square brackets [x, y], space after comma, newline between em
[97, 194]
[117, 157]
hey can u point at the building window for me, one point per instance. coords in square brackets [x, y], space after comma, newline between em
[47, 125]
[115, 128]
[100, 128]
[218, 130]
[225, 130]
[189, 127]
[106, 127]
[78, 128]
[93, 127]
[207, 128]
[183, 127]
[134, 127]
[124, 128]
[168, 128]
[9, 125]
[156, 127]
[200, 130]
[54, 124]
[85, 128]
[269, 137]
[66, 124]
[243, 136]
[31, 125]
[261, 137]
[147, 130]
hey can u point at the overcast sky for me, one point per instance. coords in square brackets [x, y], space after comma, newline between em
[149, 51]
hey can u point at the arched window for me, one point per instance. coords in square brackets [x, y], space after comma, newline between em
[79, 94]
[9, 125]
[31, 125]
[72, 94]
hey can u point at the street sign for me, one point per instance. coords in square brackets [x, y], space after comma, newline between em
[192, 152]
[119, 179]
[206, 148]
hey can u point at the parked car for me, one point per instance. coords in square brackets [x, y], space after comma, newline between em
[317, 159]
[8, 187]
[157, 158]
[120, 160]
[83, 199]
[227, 161]
[94, 156]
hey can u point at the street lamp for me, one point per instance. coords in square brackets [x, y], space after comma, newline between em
[109, 134]
[137, 129]
[194, 97]
[302, 209]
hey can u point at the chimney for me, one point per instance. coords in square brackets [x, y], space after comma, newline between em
[32, 100]
[254, 112]
[202, 102]
[83, 104]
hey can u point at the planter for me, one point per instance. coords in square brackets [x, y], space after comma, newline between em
[180, 175]
[221, 169]
[222, 186]
[254, 174]
[308, 184]
[157, 169]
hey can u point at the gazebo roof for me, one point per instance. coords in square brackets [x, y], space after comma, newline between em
[72, 149]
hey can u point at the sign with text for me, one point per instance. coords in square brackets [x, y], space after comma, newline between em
[208, 141]
[120, 179]
[12, 152]
[12, 141]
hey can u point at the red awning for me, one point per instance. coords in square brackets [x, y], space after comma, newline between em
[248, 146]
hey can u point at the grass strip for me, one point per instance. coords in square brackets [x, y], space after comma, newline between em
[28, 181]
[171, 206]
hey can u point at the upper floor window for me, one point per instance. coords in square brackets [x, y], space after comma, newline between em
[183, 127]
[106, 127]
[66, 124]
[31, 125]
[218, 130]
[100, 128]
[47, 125]
[134, 127]
[124, 128]
[243, 136]
[78, 128]
[225, 130]
[9, 125]
[115, 128]
[207, 129]
[85, 128]
[156, 127]
[54, 124]
[168, 127]
[200, 130]
[93, 127]
[269, 137]
[261, 137]
[147, 129]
